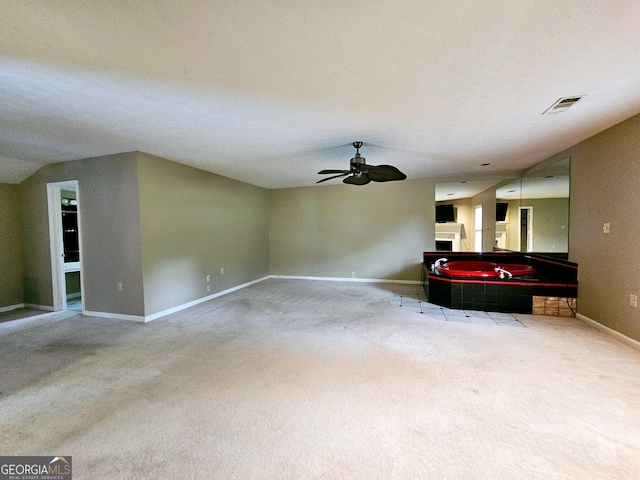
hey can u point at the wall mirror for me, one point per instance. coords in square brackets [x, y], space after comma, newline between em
[456, 232]
[532, 211]
[537, 210]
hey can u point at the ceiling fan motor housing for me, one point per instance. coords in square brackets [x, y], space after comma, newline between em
[357, 161]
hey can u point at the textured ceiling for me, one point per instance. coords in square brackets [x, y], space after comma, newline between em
[271, 92]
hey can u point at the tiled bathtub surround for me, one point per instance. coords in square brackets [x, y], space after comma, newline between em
[554, 278]
[554, 306]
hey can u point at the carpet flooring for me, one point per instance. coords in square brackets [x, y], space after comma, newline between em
[313, 379]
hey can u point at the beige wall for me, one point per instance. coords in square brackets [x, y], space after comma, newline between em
[11, 279]
[550, 224]
[110, 229]
[604, 188]
[193, 223]
[155, 226]
[378, 231]
[550, 215]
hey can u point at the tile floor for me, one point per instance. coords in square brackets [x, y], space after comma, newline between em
[74, 304]
[417, 302]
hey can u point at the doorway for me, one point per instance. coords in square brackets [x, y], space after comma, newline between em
[65, 242]
[525, 232]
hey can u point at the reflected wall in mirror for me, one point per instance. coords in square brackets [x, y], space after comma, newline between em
[459, 235]
[537, 218]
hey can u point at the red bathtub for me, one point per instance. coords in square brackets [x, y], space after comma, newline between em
[481, 269]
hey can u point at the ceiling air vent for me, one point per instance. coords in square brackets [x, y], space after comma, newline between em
[562, 104]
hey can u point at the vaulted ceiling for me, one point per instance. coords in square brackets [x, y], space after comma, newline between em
[270, 93]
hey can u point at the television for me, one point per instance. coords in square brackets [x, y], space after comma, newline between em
[501, 211]
[445, 213]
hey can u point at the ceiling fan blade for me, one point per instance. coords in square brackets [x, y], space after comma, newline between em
[357, 179]
[325, 172]
[335, 176]
[383, 173]
[360, 173]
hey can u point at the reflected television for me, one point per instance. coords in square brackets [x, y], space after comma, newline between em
[445, 213]
[501, 211]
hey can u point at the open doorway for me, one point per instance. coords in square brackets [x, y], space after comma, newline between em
[65, 242]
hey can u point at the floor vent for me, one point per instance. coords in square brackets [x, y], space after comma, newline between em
[562, 104]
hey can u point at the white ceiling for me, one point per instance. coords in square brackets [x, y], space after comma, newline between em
[271, 92]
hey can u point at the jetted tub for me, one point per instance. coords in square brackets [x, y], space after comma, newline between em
[482, 269]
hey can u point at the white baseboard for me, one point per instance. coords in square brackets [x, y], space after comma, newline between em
[114, 316]
[154, 316]
[610, 331]
[348, 279]
[47, 308]
[8, 308]
[169, 311]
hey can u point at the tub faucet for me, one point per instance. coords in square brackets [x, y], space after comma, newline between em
[438, 262]
[503, 273]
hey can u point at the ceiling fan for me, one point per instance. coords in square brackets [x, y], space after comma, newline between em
[360, 173]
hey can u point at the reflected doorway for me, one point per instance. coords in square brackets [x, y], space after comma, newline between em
[525, 232]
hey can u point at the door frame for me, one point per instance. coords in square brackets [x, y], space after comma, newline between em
[56, 245]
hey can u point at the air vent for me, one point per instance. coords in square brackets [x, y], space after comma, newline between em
[562, 104]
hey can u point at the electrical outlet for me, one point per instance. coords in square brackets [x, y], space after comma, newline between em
[222, 271]
[208, 278]
[353, 274]
[208, 288]
[633, 301]
[119, 286]
[606, 228]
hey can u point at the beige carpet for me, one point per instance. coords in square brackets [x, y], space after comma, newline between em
[310, 379]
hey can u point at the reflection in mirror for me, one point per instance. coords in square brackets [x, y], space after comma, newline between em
[537, 218]
[506, 232]
[458, 235]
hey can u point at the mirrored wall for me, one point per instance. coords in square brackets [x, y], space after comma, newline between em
[537, 210]
[531, 212]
